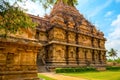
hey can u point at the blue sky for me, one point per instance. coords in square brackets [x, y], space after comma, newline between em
[105, 14]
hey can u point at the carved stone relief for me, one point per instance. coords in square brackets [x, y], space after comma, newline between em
[71, 37]
[59, 52]
[59, 34]
[102, 44]
[81, 53]
[87, 41]
[42, 36]
[72, 52]
[95, 42]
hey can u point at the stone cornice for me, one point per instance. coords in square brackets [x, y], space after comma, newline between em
[22, 41]
[79, 32]
[75, 45]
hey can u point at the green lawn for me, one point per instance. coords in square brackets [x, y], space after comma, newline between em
[106, 75]
[44, 77]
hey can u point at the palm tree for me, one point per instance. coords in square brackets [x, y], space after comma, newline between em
[112, 53]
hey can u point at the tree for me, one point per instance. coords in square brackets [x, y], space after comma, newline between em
[48, 3]
[12, 19]
[112, 53]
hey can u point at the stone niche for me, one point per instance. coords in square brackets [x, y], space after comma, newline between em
[72, 56]
[84, 40]
[59, 52]
[18, 62]
[42, 36]
[71, 37]
[95, 43]
[102, 42]
[56, 54]
[89, 55]
[59, 34]
[81, 56]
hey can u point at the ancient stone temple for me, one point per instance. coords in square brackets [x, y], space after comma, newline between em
[63, 39]
[69, 40]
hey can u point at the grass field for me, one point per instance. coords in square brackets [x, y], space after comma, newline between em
[44, 77]
[106, 75]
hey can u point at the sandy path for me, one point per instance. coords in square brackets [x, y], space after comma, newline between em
[61, 77]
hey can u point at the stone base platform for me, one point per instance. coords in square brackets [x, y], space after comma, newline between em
[18, 75]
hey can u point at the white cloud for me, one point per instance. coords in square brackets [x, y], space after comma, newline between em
[114, 36]
[109, 13]
[33, 8]
[100, 8]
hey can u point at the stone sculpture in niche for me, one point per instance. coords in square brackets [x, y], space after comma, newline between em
[59, 34]
[72, 52]
[71, 37]
[59, 52]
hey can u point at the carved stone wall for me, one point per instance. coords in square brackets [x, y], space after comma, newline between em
[17, 58]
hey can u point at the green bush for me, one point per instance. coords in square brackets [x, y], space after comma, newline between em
[72, 70]
[116, 60]
[113, 68]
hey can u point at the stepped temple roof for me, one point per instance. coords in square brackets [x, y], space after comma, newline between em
[66, 16]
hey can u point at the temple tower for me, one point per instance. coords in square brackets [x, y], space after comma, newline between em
[72, 41]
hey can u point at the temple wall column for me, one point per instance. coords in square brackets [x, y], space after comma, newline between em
[81, 56]
[96, 57]
[89, 56]
[72, 55]
[103, 57]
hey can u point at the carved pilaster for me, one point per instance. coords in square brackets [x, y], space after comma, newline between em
[77, 55]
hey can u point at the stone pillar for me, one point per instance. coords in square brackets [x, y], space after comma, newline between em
[77, 55]
[93, 56]
[96, 57]
[67, 56]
